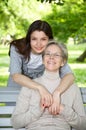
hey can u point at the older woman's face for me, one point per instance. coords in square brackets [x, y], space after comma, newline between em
[53, 59]
[38, 41]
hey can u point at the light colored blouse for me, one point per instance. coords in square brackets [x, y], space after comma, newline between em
[29, 114]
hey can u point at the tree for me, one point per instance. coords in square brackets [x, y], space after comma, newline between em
[82, 57]
[69, 20]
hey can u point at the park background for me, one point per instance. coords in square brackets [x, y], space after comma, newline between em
[67, 19]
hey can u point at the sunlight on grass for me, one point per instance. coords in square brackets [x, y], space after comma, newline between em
[4, 71]
[78, 66]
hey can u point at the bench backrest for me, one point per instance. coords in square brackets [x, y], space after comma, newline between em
[8, 97]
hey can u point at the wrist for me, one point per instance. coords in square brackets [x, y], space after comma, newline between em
[40, 88]
[57, 92]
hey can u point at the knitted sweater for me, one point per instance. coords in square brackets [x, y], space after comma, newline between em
[29, 114]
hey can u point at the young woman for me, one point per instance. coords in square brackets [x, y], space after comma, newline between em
[28, 112]
[26, 64]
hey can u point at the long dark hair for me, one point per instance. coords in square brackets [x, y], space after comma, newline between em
[23, 44]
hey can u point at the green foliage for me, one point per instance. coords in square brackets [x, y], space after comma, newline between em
[15, 16]
[68, 20]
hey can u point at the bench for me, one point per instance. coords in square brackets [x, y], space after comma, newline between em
[8, 97]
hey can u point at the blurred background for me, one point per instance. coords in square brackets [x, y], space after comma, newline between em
[67, 19]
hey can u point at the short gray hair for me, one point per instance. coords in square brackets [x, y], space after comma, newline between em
[62, 46]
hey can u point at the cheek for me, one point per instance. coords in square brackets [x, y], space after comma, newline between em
[44, 60]
[32, 44]
[45, 42]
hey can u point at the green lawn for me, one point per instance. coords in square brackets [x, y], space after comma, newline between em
[74, 51]
[4, 63]
[79, 68]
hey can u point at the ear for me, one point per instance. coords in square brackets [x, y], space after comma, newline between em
[63, 62]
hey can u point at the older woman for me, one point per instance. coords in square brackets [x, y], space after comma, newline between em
[31, 115]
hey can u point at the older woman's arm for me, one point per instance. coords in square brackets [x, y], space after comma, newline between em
[67, 79]
[27, 108]
[75, 115]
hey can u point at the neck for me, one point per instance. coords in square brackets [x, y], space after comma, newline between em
[51, 74]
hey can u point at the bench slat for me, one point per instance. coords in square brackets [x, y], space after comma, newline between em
[9, 94]
[4, 97]
[6, 109]
[8, 129]
[5, 122]
[13, 129]
[84, 98]
[83, 90]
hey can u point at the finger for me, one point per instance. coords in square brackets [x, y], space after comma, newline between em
[50, 111]
[54, 110]
[43, 102]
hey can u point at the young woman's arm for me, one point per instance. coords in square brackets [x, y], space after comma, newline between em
[46, 97]
[66, 81]
[17, 76]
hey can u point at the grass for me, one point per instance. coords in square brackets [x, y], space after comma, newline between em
[4, 63]
[74, 51]
[79, 68]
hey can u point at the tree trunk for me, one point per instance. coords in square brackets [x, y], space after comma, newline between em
[82, 57]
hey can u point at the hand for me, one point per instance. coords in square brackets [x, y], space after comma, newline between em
[61, 107]
[46, 98]
[55, 107]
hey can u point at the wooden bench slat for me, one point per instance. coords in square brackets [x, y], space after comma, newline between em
[84, 98]
[8, 97]
[83, 90]
[13, 129]
[5, 122]
[7, 129]
[6, 109]
[9, 94]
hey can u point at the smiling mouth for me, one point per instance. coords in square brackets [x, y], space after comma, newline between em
[51, 62]
[39, 48]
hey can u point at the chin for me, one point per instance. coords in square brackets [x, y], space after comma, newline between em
[39, 52]
[51, 70]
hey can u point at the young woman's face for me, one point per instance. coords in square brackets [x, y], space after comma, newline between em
[53, 59]
[38, 41]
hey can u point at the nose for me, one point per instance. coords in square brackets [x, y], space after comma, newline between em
[51, 56]
[38, 43]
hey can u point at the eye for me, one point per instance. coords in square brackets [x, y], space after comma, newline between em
[33, 38]
[47, 54]
[57, 55]
[44, 39]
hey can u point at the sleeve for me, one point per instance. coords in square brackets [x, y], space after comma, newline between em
[15, 61]
[27, 108]
[65, 70]
[75, 115]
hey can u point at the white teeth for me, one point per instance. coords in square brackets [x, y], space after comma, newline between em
[50, 62]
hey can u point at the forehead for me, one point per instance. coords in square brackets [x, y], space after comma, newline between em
[38, 33]
[53, 48]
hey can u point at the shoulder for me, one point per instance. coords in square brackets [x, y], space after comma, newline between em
[66, 66]
[26, 92]
[14, 51]
[74, 89]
